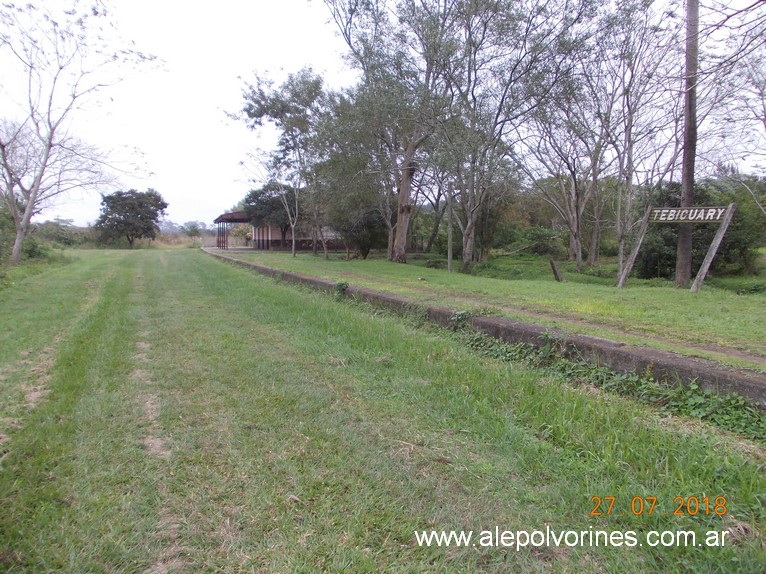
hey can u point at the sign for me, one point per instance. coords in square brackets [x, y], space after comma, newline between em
[688, 214]
[722, 215]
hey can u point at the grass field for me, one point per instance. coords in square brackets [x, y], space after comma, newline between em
[162, 411]
[715, 323]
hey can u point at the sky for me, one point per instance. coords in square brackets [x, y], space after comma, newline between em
[174, 112]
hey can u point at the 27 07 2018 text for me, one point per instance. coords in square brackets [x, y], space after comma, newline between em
[646, 505]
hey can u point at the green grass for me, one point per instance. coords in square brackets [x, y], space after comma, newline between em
[202, 418]
[12, 274]
[715, 323]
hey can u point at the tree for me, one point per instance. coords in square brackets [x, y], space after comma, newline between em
[629, 82]
[403, 91]
[355, 174]
[293, 109]
[194, 230]
[266, 205]
[352, 200]
[508, 57]
[752, 101]
[52, 63]
[568, 153]
[130, 214]
[684, 249]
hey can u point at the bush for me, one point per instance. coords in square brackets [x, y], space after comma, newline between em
[609, 248]
[34, 249]
[440, 243]
[545, 242]
[738, 252]
[7, 234]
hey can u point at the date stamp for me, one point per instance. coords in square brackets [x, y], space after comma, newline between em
[647, 505]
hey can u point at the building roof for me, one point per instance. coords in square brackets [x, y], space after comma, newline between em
[233, 217]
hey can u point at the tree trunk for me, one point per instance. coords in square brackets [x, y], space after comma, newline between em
[404, 207]
[17, 244]
[575, 246]
[315, 230]
[449, 227]
[400, 240]
[595, 237]
[390, 247]
[438, 214]
[469, 245]
[21, 222]
[684, 247]
[324, 243]
[572, 251]
[620, 255]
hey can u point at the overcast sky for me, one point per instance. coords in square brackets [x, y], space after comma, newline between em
[175, 112]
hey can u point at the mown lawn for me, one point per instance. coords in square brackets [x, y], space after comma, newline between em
[714, 323]
[162, 411]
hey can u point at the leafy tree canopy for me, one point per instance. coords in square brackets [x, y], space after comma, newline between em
[130, 214]
[266, 205]
[194, 228]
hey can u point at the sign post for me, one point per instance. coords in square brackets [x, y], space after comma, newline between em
[722, 215]
[713, 248]
[634, 251]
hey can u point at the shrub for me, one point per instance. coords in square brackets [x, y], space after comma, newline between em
[609, 248]
[34, 249]
[546, 242]
[738, 251]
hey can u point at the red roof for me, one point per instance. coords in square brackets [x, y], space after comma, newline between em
[233, 217]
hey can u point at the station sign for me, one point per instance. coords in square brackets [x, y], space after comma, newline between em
[688, 214]
[720, 215]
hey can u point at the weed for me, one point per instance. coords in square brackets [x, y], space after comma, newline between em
[552, 347]
[459, 320]
[730, 412]
[341, 290]
[415, 312]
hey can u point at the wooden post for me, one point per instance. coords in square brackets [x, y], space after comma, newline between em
[634, 251]
[556, 274]
[713, 248]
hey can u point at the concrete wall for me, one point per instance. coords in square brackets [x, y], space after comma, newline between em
[619, 357]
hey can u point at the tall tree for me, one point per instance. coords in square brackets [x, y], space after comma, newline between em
[751, 103]
[53, 62]
[294, 109]
[401, 59]
[507, 58]
[562, 148]
[684, 249]
[352, 136]
[39, 165]
[130, 214]
[631, 79]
